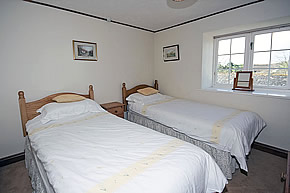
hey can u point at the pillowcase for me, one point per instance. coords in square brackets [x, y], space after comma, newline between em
[139, 98]
[55, 111]
[147, 91]
[65, 98]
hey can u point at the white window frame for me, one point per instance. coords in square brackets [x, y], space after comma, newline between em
[216, 56]
[248, 58]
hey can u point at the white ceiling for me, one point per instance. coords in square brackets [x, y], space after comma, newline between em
[148, 14]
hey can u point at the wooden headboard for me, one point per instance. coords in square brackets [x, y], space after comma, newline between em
[28, 110]
[126, 93]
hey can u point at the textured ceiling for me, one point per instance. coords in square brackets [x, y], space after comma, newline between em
[149, 14]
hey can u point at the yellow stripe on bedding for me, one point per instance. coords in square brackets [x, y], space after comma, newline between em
[112, 183]
[144, 109]
[66, 123]
[218, 125]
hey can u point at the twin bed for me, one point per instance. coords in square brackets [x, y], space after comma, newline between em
[80, 147]
[225, 133]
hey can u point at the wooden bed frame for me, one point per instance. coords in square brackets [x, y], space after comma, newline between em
[126, 93]
[28, 109]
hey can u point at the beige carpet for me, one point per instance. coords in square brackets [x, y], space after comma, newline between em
[263, 177]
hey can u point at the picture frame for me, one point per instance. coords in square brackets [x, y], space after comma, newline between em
[171, 53]
[243, 81]
[84, 50]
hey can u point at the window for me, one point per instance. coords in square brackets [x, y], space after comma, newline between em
[266, 53]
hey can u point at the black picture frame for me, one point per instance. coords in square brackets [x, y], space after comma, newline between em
[84, 50]
[171, 53]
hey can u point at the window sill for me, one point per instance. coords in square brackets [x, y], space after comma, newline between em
[280, 94]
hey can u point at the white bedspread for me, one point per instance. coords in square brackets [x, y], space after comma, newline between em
[226, 129]
[105, 154]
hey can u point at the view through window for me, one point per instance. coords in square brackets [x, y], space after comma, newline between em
[266, 53]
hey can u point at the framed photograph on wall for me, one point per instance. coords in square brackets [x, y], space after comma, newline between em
[171, 53]
[84, 50]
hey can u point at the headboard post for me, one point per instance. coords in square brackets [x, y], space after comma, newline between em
[91, 92]
[156, 84]
[124, 90]
[23, 112]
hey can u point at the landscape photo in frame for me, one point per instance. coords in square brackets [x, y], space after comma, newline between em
[171, 53]
[84, 50]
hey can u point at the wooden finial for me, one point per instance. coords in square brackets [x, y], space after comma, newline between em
[91, 92]
[156, 84]
[124, 95]
[23, 112]
[21, 94]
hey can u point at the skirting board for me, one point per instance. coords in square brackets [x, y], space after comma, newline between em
[12, 159]
[259, 146]
[270, 149]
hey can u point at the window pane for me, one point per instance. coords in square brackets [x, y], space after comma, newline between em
[223, 62]
[238, 45]
[261, 60]
[260, 77]
[237, 61]
[224, 47]
[278, 77]
[262, 42]
[222, 76]
[280, 59]
[281, 40]
[223, 69]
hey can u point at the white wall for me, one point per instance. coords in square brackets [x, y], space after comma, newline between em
[183, 78]
[36, 56]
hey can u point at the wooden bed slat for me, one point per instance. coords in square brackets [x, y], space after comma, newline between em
[28, 110]
[126, 93]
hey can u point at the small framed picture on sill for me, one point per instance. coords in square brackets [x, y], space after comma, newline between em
[171, 53]
[84, 50]
[243, 81]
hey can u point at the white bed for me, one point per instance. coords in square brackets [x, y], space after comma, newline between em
[225, 129]
[100, 152]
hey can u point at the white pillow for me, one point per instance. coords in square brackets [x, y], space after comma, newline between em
[55, 111]
[139, 98]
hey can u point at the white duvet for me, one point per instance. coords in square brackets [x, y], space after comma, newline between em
[226, 129]
[103, 153]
